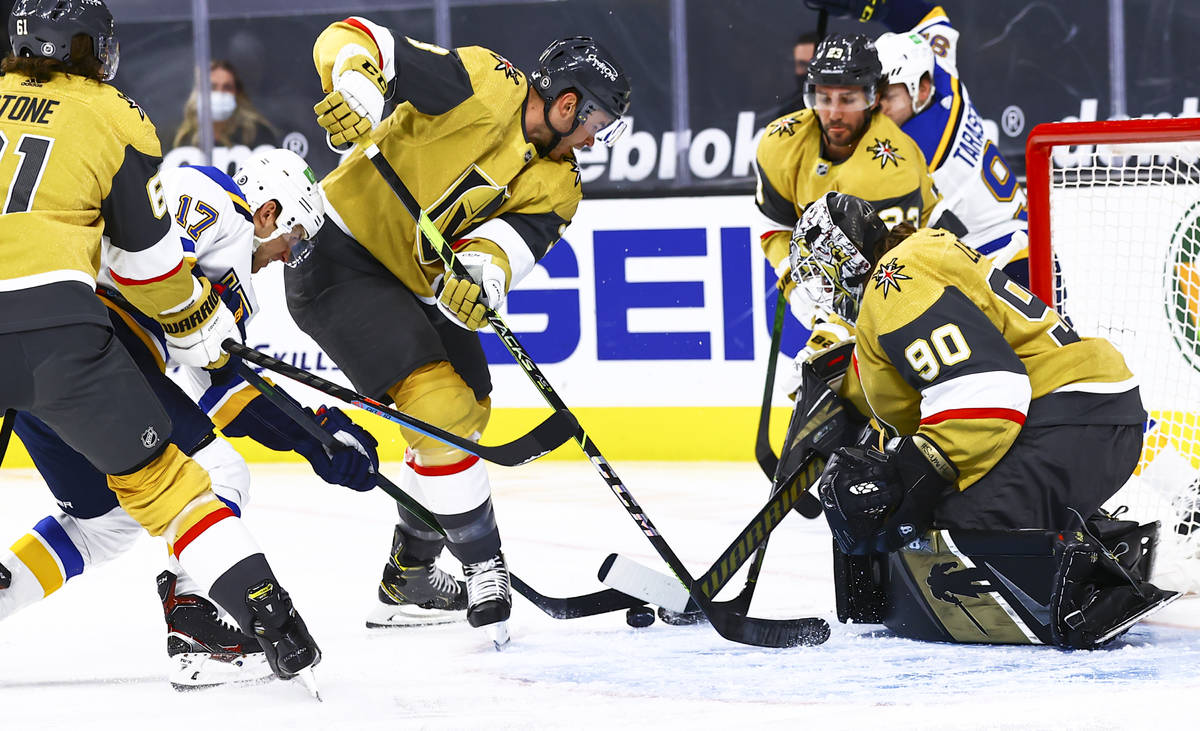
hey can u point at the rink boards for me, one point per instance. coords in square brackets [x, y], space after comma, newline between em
[651, 319]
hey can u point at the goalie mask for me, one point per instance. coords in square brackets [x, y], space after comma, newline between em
[832, 251]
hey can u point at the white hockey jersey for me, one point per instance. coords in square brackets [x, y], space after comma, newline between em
[214, 223]
[976, 182]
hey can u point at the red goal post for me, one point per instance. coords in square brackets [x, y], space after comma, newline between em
[1114, 245]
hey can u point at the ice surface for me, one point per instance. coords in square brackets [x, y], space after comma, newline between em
[92, 656]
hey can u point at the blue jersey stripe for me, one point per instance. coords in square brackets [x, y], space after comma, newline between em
[66, 551]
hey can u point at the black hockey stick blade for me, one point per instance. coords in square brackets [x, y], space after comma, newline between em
[586, 605]
[545, 437]
[728, 618]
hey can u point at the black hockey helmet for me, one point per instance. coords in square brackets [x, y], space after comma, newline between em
[845, 60]
[44, 28]
[579, 63]
[841, 236]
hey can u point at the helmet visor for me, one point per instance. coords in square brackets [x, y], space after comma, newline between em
[108, 50]
[838, 98]
[600, 124]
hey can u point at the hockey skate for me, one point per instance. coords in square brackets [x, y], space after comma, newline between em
[489, 598]
[289, 648]
[205, 651]
[416, 592]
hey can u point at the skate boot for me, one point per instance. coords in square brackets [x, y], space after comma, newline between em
[205, 651]
[416, 592]
[290, 649]
[489, 598]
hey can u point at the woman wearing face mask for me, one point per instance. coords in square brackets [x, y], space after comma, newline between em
[238, 128]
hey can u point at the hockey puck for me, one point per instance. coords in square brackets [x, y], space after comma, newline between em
[639, 616]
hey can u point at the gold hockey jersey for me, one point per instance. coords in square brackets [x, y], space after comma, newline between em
[951, 348]
[886, 168]
[78, 159]
[457, 140]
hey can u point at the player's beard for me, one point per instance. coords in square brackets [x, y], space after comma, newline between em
[854, 135]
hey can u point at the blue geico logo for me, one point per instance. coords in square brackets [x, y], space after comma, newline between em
[613, 294]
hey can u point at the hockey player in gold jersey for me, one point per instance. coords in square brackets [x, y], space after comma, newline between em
[842, 142]
[487, 151]
[78, 162]
[997, 417]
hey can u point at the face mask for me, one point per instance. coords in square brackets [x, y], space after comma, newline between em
[223, 104]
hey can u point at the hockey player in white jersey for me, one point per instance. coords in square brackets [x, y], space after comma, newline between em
[229, 230]
[929, 102]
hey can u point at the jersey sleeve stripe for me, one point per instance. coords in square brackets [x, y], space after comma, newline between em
[133, 282]
[1007, 414]
[956, 115]
[1098, 387]
[988, 391]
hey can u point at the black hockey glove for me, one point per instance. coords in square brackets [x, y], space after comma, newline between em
[354, 462]
[876, 502]
[864, 10]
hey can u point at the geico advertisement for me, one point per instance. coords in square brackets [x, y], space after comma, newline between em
[646, 302]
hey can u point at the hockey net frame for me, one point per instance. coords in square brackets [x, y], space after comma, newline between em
[1114, 244]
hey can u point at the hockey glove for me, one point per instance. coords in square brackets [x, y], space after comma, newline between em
[827, 332]
[195, 330]
[355, 105]
[864, 10]
[354, 462]
[466, 302]
[875, 502]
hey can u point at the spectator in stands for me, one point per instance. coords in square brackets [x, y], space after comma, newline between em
[238, 127]
[802, 53]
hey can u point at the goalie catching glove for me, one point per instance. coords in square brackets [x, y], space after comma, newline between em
[877, 502]
[195, 330]
[355, 105]
[466, 302]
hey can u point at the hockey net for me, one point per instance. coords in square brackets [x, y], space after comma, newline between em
[1114, 228]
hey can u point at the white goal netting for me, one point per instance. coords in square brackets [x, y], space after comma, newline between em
[1125, 229]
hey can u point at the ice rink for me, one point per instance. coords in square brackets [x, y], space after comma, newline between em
[92, 656]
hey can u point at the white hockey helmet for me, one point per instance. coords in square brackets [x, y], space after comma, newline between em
[283, 176]
[905, 58]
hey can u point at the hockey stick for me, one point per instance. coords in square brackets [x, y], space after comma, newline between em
[808, 506]
[654, 587]
[820, 424]
[731, 625]
[609, 600]
[767, 459]
[552, 432]
[6, 429]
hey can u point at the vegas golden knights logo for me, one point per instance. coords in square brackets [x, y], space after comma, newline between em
[472, 199]
[1183, 286]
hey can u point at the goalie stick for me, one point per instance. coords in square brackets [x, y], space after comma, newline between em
[819, 426]
[600, 602]
[545, 437]
[731, 625]
[808, 506]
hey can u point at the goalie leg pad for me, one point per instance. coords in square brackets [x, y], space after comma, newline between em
[1020, 587]
[860, 587]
